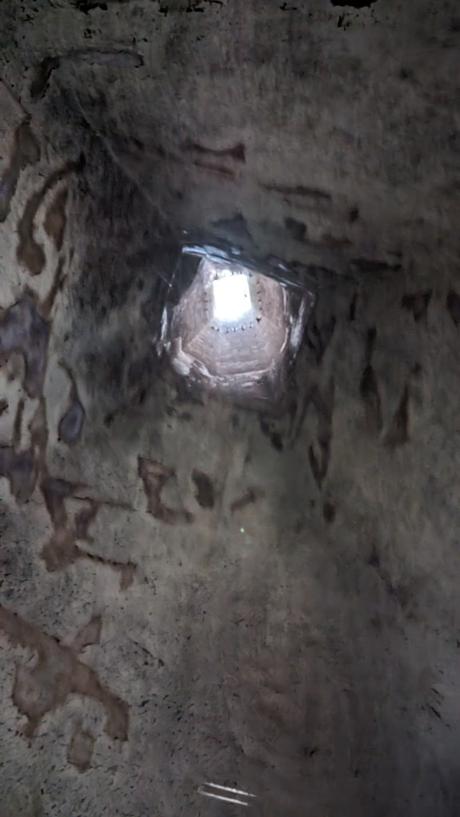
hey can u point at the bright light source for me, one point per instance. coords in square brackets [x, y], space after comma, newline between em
[232, 298]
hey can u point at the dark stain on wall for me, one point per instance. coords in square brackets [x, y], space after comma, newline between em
[218, 170]
[249, 497]
[19, 468]
[58, 673]
[319, 452]
[24, 330]
[296, 229]
[453, 306]
[29, 252]
[120, 58]
[297, 191]
[71, 423]
[329, 512]
[234, 228]
[373, 266]
[204, 489]
[369, 388]
[268, 428]
[398, 432]
[318, 337]
[236, 152]
[22, 467]
[154, 476]
[41, 77]
[80, 751]
[25, 151]
[352, 307]
[89, 634]
[62, 549]
[55, 219]
[417, 303]
[355, 4]
[56, 286]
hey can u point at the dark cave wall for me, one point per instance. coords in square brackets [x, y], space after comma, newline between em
[188, 590]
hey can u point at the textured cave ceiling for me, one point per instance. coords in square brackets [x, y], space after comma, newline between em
[191, 591]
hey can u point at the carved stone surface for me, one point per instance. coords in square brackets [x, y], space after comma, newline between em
[191, 592]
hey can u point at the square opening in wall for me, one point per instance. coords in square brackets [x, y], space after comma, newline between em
[235, 327]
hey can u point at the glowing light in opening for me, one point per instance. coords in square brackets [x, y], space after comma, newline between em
[232, 298]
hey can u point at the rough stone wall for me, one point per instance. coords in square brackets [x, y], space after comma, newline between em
[189, 591]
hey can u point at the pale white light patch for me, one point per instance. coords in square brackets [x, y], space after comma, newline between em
[237, 796]
[232, 298]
